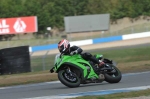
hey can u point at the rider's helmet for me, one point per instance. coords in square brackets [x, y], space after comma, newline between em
[63, 46]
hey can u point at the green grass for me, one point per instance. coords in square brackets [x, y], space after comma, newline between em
[119, 95]
[128, 54]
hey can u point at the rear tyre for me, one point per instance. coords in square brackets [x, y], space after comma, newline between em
[69, 81]
[114, 77]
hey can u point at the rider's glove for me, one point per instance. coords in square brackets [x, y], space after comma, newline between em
[52, 70]
[73, 52]
[101, 64]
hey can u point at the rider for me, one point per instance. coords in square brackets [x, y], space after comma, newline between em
[64, 48]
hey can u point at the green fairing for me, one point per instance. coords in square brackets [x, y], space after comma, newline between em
[78, 61]
[98, 56]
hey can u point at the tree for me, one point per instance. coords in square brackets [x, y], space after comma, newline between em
[52, 12]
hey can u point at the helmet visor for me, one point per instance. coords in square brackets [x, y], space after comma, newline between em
[60, 48]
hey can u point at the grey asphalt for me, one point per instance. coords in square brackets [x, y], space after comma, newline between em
[50, 89]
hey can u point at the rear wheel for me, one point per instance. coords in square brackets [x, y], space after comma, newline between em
[114, 76]
[69, 79]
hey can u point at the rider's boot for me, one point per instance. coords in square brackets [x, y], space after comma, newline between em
[101, 76]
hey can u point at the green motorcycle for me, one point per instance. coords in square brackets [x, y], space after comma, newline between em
[74, 70]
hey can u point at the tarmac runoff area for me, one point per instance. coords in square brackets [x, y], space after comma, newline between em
[131, 42]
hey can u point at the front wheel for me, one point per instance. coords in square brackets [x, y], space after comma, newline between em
[69, 79]
[114, 76]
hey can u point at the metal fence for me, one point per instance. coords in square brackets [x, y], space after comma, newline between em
[42, 63]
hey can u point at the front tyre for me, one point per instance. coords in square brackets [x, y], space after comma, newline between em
[69, 79]
[114, 76]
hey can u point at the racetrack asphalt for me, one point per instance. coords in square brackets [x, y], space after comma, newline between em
[50, 89]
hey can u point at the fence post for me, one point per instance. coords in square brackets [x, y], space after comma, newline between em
[44, 60]
[146, 28]
[132, 30]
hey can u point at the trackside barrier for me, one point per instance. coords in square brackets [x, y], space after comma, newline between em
[92, 41]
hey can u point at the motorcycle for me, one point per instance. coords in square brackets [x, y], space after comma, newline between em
[74, 70]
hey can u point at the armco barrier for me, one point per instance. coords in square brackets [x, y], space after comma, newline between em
[92, 41]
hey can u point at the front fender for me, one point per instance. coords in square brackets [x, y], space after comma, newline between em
[81, 68]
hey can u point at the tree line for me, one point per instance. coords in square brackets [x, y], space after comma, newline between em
[52, 12]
